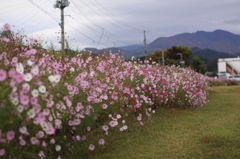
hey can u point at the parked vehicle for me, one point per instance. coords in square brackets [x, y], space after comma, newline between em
[236, 77]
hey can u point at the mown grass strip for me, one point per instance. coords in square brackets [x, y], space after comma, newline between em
[212, 131]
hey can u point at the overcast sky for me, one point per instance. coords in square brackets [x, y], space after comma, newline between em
[112, 23]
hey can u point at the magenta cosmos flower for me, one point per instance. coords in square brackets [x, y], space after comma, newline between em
[6, 27]
[3, 75]
[10, 135]
[24, 99]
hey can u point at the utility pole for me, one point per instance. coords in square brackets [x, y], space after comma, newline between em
[163, 57]
[145, 43]
[61, 4]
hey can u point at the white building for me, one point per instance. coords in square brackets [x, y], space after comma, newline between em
[228, 66]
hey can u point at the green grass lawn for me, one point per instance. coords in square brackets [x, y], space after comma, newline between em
[208, 132]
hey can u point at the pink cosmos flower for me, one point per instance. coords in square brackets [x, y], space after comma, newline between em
[5, 39]
[22, 142]
[33, 51]
[3, 75]
[32, 40]
[50, 130]
[41, 154]
[6, 27]
[2, 152]
[113, 123]
[88, 128]
[24, 99]
[83, 138]
[10, 135]
[34, 141]
[104, 106]
[34, 100]
[101, 142]
[25, 89]
[41, 117]
[23, 130]
[77, 121]
[71, 123]
[44, 144]
[139, 118]
[19, 77]
[28, 120]
[40, 134]
[91, 147]
[105, 127]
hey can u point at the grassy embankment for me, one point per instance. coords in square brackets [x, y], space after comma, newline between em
[212, 131]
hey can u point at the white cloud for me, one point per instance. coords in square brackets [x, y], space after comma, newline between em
[117, 23]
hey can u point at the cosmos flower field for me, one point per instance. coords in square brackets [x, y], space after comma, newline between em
[52, 105]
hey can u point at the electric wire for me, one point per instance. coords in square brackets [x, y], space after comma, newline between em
[14, 9]
[34, 15]
[44, 11]
[103, 34]
[103, 16]
[113, 17]
[77, 7]
[13, 5]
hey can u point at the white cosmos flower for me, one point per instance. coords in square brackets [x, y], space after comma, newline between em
[30, 63]
[51, 78]
[42, 89]
[15, 101]
[72, 69]
[31, 113]
[28, 77]
[20, 68]
[26, 85]
[118, 116]
[35, 93]
[20, 108]
[54, 78]
[57, 78]
[58, 148]
[35, 70]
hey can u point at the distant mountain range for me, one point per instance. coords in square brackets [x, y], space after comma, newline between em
[218, 40]
[211, 45]
[211, 54]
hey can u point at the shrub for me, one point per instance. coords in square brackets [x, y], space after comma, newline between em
[53, 106]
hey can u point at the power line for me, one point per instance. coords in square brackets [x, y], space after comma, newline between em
[118, 26]
[44, 10]
[14, 9]
[150, 35]
[77, 7]
[80, 32]
[114, 18]
[23, 22]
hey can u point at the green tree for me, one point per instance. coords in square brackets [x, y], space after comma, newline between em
[198, 65]
[176, 52]
[157, 57]
[172, 56]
